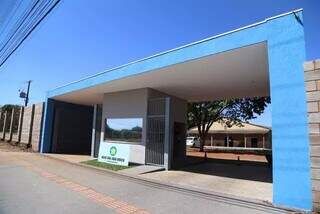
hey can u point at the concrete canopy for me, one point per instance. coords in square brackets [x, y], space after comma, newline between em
[265, 58]
[241, 72]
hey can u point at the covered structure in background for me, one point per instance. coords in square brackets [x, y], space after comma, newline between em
[263, 59]
[247, 135]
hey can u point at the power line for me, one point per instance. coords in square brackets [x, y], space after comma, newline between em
[23, 28]
[17, 37]
[11, 17]
[17, 28]
[30, 20]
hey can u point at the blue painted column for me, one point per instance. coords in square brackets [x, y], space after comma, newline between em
[290, 141]
[47, 128]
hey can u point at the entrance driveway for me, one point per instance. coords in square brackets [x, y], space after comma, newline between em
[245, 179]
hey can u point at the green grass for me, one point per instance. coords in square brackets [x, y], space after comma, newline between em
[105, 165]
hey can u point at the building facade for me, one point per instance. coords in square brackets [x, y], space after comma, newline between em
[245, 136]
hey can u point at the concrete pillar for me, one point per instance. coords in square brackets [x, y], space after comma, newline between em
[20, 123]
[11, 125]
[290, 153]
[168, 142]
[245, 141]
[227, 140]
[97, 139]
[263, 141]
[211, 139]
[4, 126]
[93, 139]
[48, 119]
[31, 126]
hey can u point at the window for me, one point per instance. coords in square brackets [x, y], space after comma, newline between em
[124, 130]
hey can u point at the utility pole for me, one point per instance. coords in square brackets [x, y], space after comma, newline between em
[27, 95]
[24, 95]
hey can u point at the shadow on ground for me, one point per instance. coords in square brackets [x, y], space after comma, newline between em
[246, 170]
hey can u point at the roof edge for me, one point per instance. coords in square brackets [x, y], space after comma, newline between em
[243, 122]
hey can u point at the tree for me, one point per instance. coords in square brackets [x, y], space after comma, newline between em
[203, 114]
[8, 108]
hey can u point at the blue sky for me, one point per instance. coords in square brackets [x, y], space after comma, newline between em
[83, 37]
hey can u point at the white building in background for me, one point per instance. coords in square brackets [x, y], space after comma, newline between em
[247, 135]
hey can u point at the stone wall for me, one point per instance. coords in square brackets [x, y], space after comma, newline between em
[37, 125]
[16, 134]
[3, 122]
[29, 125]
[312, 85]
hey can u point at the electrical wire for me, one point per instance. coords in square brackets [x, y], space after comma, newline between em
[25, 25]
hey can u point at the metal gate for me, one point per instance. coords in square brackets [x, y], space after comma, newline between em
[156, 131]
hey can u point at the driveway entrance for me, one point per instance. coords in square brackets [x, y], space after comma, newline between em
[248, 180]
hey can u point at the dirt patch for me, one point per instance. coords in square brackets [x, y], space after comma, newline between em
[13, 147]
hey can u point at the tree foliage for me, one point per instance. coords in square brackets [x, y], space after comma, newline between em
[8, 109]
[203, 114]
[127, 135]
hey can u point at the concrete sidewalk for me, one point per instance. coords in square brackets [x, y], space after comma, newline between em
[142, 169]
[146, 196]
[70, 158]
[249, 180]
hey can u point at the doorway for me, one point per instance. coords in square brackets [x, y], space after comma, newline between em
[156, 131]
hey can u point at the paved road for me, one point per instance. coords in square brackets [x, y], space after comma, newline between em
[31, 183]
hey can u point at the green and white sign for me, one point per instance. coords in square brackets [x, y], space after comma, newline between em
[114, 153]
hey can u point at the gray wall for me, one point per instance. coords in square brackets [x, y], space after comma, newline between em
[179, 131]
[178, 106]
[128, 104]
